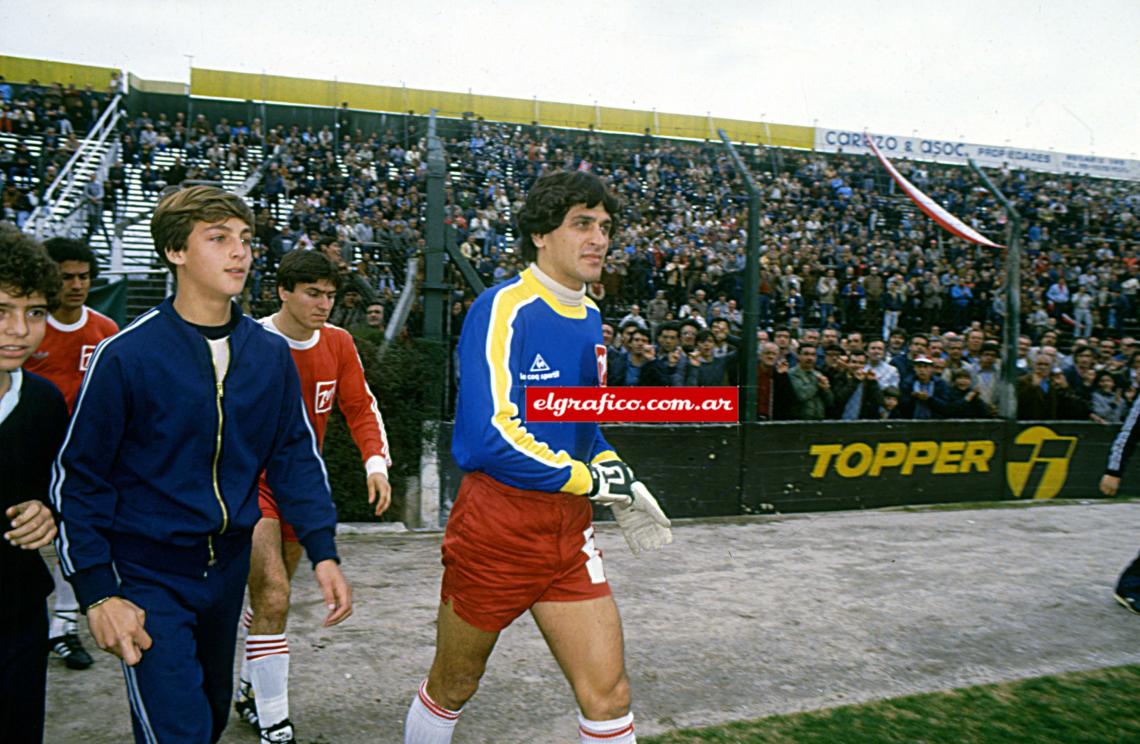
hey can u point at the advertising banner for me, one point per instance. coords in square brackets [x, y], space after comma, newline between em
[988, 156]
[768, 468]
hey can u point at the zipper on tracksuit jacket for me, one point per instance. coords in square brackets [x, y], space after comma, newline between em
[219, 393]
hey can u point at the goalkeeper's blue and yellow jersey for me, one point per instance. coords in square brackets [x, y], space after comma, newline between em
[516, 335]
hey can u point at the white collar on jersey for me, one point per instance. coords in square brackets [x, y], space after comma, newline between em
[564, 295]
[293, 343]
[69, 327]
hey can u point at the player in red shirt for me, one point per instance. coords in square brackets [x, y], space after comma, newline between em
[73, 331]
[330, 370]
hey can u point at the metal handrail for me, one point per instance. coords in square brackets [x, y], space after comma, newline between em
[45, 212]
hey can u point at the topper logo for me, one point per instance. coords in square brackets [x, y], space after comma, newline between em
[1042, 473]
[326, 392]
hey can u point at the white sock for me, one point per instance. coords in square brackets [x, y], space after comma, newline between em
[65, 617]
[427, 722]
[243, 634]
[617, 731]
[268, 657]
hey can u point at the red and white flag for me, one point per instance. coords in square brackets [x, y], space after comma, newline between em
[932, 208]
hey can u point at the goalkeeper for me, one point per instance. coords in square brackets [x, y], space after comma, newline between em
[520, 536]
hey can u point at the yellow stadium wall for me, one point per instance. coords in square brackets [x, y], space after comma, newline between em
[250, 86]
[23, 70]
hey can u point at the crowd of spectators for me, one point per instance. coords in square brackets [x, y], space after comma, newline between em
[842, 251]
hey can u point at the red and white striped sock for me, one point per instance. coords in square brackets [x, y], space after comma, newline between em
[428, 722]
[617, 731]
[243, 634]
[268, 657]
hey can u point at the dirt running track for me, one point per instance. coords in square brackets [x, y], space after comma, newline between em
[736, 619]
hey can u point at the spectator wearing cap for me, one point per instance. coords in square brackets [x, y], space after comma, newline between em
[843, 384]
[924, 396]
[964, 401]
[890, 406]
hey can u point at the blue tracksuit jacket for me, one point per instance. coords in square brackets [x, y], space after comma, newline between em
[160, 463]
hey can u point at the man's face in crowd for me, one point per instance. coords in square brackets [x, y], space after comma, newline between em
[806, 357]
[988, 359]
[831, 358]
[875, 351]
[830, 336]
[626, 333]
[954, 350]
[974, 341]
[1043, 364]
[719, 330]
[607, 334]
[811, 336]
[1023, 346]
[854, 342]
[769, 354]
[963, 382]
[918, 345]
[668, 340]
[375, 315]
[688, 337]
[76, 284]
[637, 342]
[783, 340]
[706, 346]
[573, 253]
[924, 372]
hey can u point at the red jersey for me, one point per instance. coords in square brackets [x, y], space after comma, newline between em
[330, 370]
[66, 350]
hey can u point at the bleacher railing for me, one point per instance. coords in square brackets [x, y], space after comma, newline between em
[56, 212]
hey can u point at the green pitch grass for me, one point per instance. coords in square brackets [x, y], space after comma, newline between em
[1098, 707]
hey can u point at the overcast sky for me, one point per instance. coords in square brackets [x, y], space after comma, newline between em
[1046, 74]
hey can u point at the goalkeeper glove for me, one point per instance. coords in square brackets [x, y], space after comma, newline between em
[640, 517]
[611, 483]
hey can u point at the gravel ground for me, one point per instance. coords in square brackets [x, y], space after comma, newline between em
[737, 619]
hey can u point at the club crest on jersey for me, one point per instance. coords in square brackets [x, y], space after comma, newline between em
[539, 370]
[85, 353]
[601, 358]
[326, 392]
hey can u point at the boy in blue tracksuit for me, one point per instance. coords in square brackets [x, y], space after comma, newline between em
[156, 482]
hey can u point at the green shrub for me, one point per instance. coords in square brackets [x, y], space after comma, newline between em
[408, 384]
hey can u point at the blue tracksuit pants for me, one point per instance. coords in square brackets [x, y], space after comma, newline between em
[180, 692]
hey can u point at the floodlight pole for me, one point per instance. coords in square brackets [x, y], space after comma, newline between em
[435, 289]
[751, 285]
[1011, 328]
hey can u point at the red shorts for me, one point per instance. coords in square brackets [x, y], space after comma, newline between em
[506, 549]
[269, 511]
